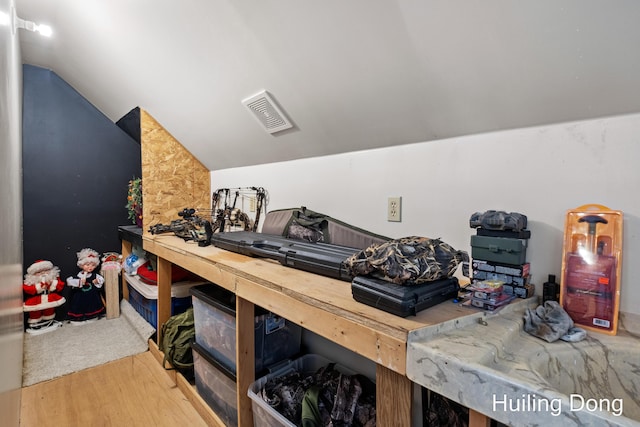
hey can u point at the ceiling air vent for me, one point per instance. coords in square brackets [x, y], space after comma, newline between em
[267, 112]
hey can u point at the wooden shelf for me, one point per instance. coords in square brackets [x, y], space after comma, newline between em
[320, 304]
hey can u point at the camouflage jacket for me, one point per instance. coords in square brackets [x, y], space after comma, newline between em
[407, 261]
[326, 398]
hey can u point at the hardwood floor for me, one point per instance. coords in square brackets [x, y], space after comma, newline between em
[134, 391]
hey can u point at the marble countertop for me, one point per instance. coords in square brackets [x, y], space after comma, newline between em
[487, 362]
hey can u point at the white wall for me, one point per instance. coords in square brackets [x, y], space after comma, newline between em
[541, 172]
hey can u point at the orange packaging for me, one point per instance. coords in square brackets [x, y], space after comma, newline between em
[591, 267]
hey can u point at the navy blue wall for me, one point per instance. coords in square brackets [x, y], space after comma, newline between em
[77, 165]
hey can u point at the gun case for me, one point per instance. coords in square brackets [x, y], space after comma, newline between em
[326, 228]
[402, 300]
[321, 258]
[249, 243]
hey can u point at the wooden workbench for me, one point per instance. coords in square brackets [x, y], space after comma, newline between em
[322, 305]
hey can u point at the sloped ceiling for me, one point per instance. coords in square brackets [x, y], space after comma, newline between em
[350, 74]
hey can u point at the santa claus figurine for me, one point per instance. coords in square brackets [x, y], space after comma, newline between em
[86, 295]
[42, 285]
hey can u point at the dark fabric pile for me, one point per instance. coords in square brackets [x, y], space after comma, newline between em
[407, 261]
[443, 412]
[326, 398]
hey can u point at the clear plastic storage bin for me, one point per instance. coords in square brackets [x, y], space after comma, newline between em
[266, 416]
[216, 385]
[276, 338]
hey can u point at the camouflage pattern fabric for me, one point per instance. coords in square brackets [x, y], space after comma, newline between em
[285, 394]
[308, 225]
[343, 400]
[407, 261]
[306, 232]
[443, 412]
[498, 220]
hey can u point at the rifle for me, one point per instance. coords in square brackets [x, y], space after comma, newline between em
[189, 227]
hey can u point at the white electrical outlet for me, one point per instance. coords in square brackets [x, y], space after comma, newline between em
[394, 209]
[252, 204]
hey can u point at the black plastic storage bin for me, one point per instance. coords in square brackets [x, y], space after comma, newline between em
[276, 339]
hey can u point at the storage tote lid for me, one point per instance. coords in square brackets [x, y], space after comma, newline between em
[178, 289]
[201, 351]
[220, 298]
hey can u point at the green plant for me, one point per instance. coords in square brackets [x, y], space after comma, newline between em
[134, 201]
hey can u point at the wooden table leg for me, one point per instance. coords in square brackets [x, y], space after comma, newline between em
[245, 358]
[476, 419]
[394, 397]
[111, 279]
[127, 249]
[164, 295]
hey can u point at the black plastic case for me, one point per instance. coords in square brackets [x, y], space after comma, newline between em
[321, 258]
[402, 300]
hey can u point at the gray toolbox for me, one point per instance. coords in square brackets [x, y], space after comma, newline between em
[499, 249]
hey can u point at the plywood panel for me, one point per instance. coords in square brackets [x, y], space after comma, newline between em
[172, 178]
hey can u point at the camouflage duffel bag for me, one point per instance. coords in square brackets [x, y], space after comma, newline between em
[407, 261]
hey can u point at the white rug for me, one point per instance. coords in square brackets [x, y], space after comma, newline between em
[72, 348]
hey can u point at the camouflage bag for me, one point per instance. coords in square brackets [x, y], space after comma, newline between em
[304, 224]
[498, 220]
[308, 225]
[407, 261]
